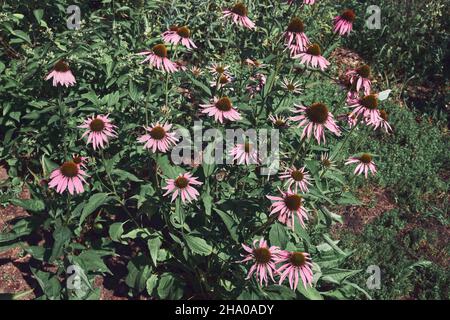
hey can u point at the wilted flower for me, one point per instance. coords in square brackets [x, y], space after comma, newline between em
[220, 109]
[343, 24]
[382, 123]
[196, 71]
[68, 176]
[158, 137]
[279, 121]
[313, 57]
[360, 76]
[296, 265]
[259, 80]
[288, 206]
[61, 74]
[315, 118]
[325, 161]
[239, 15]
[295, 37]
[264, 258]
[291, 86]
[365, 164]
[157, 57]
[99, 130]
[183, 186]
[218, 69]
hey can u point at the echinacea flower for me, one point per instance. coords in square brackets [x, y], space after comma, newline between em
[221, 109]
[326, 161]
[296, 266]
[361, 76]
[68, 176]
[221, 81]
[254, 63]
[313, 57]
[382, 123]
[257, 84]
[279, 121]
[315, 118]
[291, 86]
[264, 258]
[343, 24]
[61, 74]
[238, 13]
[366, 107]
[182, 187]
[295, 36]
[99, 130]
[299, 178]
[196, 71]
[218, 69]
[365, 164]
[158, 137]
[157, 57]
[245, 153]
[179, 35]
[289, 205]
[79, 160]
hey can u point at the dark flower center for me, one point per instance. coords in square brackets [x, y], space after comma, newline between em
[184, 32]
[290, 87]
[370, 101]
[317, 113]
[160, 50]
[293, 202]
[220, 69]
[224, 104]
[384, 115]
[297, 175]
[240, 9]
[61, 66]
[366, 158]
[280, 123]
[262, 255]
[181, 182]
[158, 133]
[97, 125]
[247, 147]
[314, 50]
[348, 15]
[69, 169]
[223, 80]
[364, 71]
[297, 259]
[173, 28]
[296, 25]
[326, 163]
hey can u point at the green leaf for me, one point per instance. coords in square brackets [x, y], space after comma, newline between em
[154, 245]
[62, 236]
[139, 270]
[208, 160]
[34, 205]
[309, 293]
[151, 283]
[91, 260]
[230, 223]
[124, 175]
[198, 245]
[116, 231]
[94, 202]
[278, 236]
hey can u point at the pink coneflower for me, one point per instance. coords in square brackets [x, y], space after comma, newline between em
[79, 160]
[182, 186]
[221, 81]
[291, 86]
[366, 107]
[68, 176]
[245, 153]
[196, 71]
[288, 206]
[157, 57]
[61, 74]
[99, 130]
[326, 161]
[313, 58]
[221, 109]
[218, 69]
[382, 123]
[352, 120]
[299, 178]
[264, 258]
[365, 164]
[279, 121]
[296, 265]
[361, 76]
[239, 15]
[315, 118]
[296, 36]
[158, 137]
[254, 63]
[179, 34]
[343, 24]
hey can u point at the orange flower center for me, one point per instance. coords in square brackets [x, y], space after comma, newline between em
[314, 50]
[384, 115]
[158, 133]
[297, 175]
[370, 101]
[77, 160]
[184, 32]
[69, 169]
[224, 104]
[293, 202]
[297, 259]
[181, 182]
[223, 80]
[296, 25]
[160, 50]
[97, 125]
[364, 71]
[240, 9]
[61, 66]
[262, 255]
[317, 113]
[366, 158]
[348, 15]
[247, 147]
